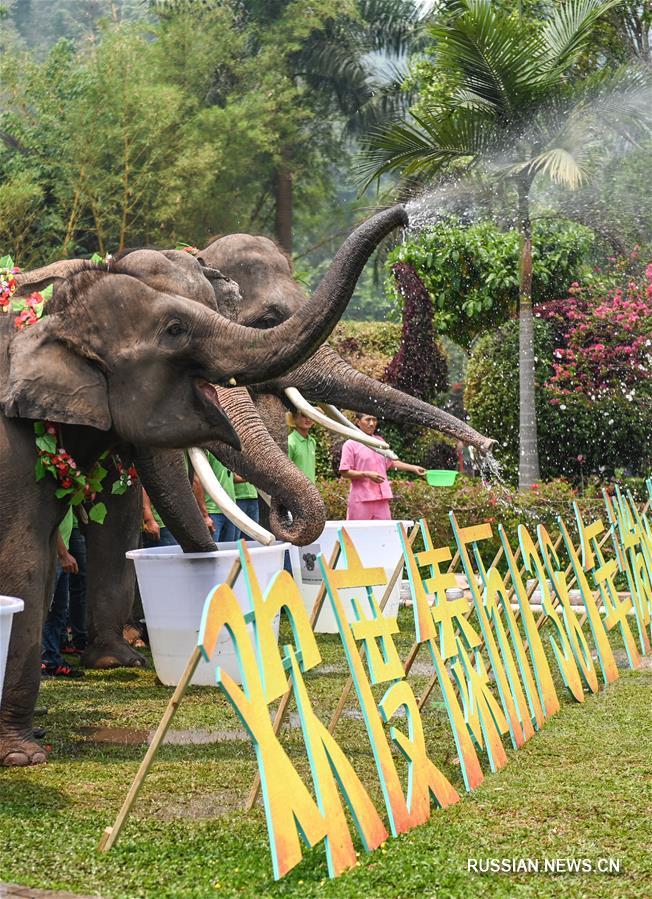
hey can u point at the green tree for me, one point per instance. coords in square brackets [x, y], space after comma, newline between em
[317, 61]
[515, 103]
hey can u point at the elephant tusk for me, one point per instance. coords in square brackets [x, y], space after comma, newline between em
[302, 405]
[334, 413]
[266, 498]
[215, 490]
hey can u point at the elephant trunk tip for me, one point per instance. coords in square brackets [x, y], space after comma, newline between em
[487, 445]
[297, 531]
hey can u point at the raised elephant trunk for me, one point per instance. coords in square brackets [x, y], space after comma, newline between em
[327, 378]
[255, 355]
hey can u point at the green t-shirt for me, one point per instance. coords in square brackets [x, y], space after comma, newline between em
[245, 490]
[302, 451]
[225, 477]
[66, 526]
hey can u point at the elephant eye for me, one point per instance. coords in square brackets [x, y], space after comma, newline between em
[175, 328]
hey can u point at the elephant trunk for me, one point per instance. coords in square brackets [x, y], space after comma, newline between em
[165, 478]
[327, 378]
[297, 511]
[250, 355]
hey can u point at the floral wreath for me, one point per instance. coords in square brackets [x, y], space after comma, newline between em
[73, 483]
[52, 457]
[29, 309]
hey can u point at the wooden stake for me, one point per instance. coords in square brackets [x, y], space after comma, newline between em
[110, 835]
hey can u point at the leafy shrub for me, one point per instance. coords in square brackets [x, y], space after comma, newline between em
[472, 272]
[473, 502]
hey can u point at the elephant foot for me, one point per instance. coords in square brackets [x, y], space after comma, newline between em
[115, 653]
[20, 750]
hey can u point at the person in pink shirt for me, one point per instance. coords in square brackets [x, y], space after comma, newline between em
[370, 492]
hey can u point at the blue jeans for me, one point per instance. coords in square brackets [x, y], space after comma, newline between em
[165, 539]
[55, 620]
[225, 530]
[77, 583]
[250, 507]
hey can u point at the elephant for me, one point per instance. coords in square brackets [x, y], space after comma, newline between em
[270, 294]
[115, 362]
[267, 295]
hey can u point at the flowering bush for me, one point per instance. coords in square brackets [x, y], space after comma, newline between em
[593, 374]
[604, 342]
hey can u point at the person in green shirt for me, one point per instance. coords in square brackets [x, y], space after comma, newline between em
[302, 446]
[225, 531]
[155, 532]
[246, 497]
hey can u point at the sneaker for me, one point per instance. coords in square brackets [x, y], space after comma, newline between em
[60, 671]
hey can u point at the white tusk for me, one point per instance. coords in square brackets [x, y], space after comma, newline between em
[266, 498]
[334, 413]
[217, 493]
[390, 454]
[302, 405]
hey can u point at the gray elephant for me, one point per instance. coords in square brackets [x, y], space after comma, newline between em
[270, 295]
[115, 362]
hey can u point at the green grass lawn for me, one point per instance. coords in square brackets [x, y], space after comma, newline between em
[581, 788]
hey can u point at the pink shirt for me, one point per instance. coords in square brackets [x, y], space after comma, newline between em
[358, 457]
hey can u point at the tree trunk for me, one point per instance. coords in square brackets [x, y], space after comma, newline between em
[284, 201]
[528, 469]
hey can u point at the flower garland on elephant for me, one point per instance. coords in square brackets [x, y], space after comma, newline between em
[74, 485]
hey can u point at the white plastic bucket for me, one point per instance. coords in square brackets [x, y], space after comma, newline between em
[378, 545]
[174, 586]
[9, 605]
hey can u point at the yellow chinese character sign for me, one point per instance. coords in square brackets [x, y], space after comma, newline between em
[504, 639]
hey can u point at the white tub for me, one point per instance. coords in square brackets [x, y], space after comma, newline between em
[378, 545]
[174, 586]
[9, 605]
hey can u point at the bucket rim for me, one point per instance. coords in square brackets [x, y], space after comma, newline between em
[159, 552]
[354, 524]
[9, 605]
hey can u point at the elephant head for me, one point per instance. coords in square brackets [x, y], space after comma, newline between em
[297, 512]
[75, 367]
[269, 295]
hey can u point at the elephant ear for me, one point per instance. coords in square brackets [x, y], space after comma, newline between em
[49, 378]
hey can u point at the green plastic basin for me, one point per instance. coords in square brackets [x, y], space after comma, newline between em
[440, 477]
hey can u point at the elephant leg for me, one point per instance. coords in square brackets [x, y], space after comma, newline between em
[23, 675]
[110, 581]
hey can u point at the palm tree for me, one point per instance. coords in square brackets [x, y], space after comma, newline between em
[517, 109]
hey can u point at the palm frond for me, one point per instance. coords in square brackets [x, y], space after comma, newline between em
[559, 164]
[389, 101]
[491, 53]
[567, 32]
[425, 147]
[390, 26]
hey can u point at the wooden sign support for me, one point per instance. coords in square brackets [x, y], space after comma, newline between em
[111, 834]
